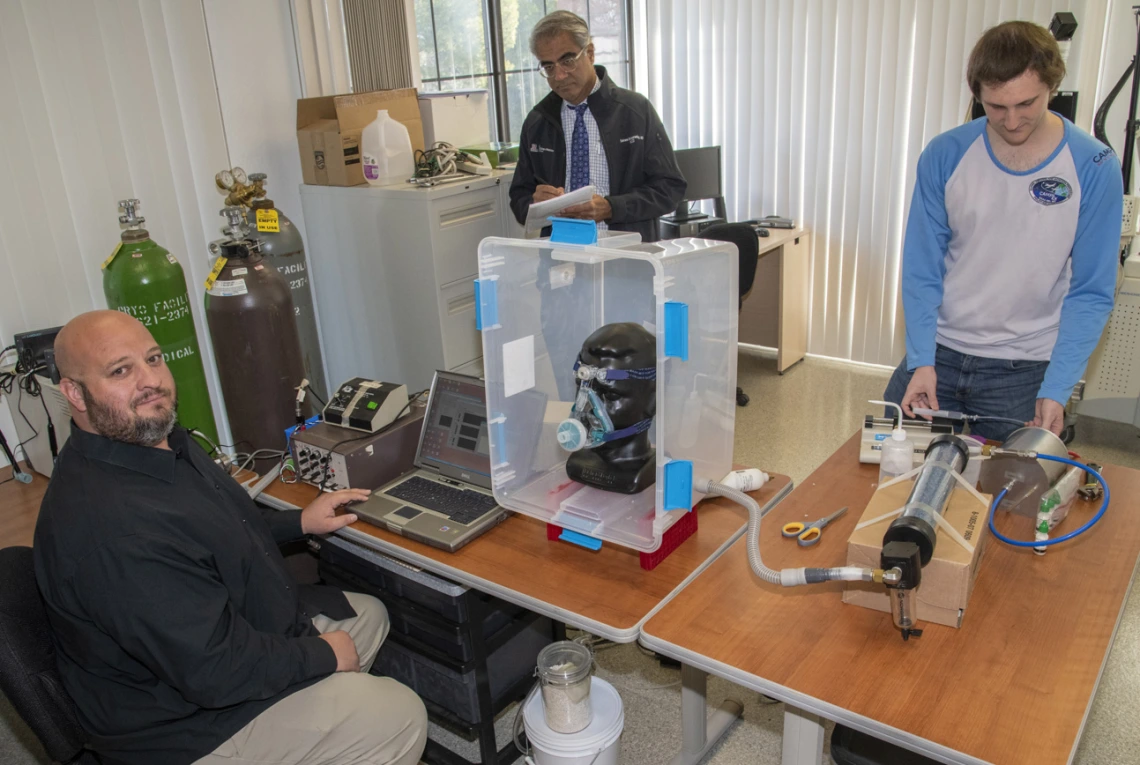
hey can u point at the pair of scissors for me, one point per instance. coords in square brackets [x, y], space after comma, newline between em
[808, 534]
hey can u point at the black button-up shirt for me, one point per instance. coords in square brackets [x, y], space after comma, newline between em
[174, 618]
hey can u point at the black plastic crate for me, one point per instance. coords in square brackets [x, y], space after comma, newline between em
[432, 593]
[456, 692]
[451, 639]
[850, 747]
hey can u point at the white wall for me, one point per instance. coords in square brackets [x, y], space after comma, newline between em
[258, 85]
[137, 98]
[101, 101]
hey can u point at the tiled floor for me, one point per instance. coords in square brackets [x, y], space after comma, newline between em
[794, 422]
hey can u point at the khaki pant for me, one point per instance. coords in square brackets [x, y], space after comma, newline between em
[350, 718]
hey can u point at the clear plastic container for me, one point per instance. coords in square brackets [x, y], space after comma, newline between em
[564, 672]
[386, 151]
[538, 302]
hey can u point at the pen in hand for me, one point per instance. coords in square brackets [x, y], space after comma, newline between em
[545, 191]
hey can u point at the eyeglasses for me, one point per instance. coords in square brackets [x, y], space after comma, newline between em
[566, 64]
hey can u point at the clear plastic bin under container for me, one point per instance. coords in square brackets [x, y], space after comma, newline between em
[538, 302]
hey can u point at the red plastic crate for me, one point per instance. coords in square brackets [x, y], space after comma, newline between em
[674, 538]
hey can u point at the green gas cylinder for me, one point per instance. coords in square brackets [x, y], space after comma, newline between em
[144, 280]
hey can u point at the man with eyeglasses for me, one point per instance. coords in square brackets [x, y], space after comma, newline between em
[588, 131]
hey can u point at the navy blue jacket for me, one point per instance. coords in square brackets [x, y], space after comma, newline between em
[645, 181]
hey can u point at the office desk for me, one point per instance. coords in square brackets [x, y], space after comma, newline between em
[776, 311]
[1013, 685]
[606, 593]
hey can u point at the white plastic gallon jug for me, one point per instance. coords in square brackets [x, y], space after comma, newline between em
[599, 743]
[386, 151]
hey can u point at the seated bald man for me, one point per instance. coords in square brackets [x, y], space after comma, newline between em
[179, 633]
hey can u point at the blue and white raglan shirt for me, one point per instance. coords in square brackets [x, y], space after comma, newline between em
[1012, 265]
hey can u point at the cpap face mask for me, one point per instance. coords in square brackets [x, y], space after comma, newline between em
[589, 425]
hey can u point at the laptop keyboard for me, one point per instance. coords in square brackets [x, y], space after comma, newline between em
[461, 505]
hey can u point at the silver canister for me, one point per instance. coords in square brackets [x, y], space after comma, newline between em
[1026, 479]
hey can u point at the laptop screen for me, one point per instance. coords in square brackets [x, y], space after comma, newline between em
[454, 439]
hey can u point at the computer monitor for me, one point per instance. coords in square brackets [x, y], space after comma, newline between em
[455, 428]
[701, 168]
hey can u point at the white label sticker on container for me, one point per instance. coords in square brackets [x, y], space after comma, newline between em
[562, 276]
[239, 271]
[229, 288]
[518, 366]
[173, 260]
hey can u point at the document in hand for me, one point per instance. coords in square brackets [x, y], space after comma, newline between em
[537, 214]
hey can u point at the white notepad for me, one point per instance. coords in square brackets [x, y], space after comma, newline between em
[537, 214]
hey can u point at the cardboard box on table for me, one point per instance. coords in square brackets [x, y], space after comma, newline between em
[948, 579]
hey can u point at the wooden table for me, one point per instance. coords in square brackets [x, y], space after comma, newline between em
[606, 593]
[1013, 685]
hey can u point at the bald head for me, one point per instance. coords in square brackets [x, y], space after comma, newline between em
[115, 378]
[83, 339]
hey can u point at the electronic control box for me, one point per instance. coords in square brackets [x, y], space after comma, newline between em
[366, 405]
[332, 457]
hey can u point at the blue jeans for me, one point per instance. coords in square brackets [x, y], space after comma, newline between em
[977, 385]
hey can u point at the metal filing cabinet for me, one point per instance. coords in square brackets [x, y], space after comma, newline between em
[392, 270]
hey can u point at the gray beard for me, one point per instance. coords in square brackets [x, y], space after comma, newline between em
[113, 424]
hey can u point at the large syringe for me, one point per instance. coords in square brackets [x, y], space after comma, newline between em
[909, 542]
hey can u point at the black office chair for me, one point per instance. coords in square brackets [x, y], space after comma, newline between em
[744, 237]
[28, 675]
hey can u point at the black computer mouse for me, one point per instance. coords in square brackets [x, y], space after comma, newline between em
[763, 232]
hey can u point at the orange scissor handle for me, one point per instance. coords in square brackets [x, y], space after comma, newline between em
[793, 529]
[811, 536]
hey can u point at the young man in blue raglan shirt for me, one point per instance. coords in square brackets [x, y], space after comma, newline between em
[1010, 257]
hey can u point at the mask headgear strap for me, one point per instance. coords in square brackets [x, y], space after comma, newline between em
[599, 373]
[632, 430]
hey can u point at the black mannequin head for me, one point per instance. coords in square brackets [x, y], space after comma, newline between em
[627, 464]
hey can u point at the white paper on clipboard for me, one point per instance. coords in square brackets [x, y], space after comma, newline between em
[537, 214]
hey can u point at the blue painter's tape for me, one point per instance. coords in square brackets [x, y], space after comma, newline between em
[573, 537]
[573, 231]
[679, 485]
[486, 304]
[677, 330]
[308, 424]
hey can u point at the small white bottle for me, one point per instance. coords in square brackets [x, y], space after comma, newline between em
[746, 480]
[386, 151]
[897, 456]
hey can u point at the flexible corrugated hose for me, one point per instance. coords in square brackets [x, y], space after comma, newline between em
[788, 577]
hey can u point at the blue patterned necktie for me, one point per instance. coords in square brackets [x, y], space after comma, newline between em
[579, 150]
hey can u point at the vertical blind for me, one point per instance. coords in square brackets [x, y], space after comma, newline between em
[378, 52]
[822, 107]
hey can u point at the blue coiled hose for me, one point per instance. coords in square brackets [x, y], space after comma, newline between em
[1071, 534]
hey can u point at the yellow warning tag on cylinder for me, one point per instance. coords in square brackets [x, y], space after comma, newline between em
[267, 221]
[219, 264]
[111, 257]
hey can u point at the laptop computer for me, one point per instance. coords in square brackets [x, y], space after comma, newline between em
[446, 501]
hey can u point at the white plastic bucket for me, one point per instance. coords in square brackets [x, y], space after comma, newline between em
[599, 743]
